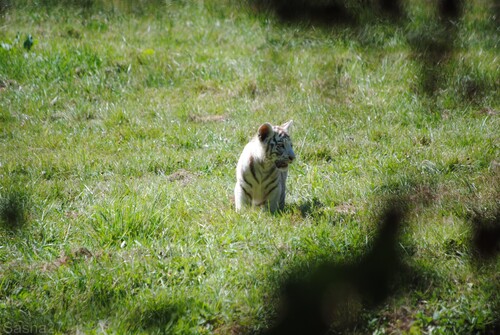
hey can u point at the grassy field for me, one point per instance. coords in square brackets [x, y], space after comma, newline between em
[121, 126]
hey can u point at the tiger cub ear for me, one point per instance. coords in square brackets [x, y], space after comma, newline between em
[286, 126]
[265, 131]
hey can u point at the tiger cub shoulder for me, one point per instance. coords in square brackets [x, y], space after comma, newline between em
[262, 168]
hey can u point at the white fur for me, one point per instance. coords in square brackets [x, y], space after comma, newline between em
[264, 173]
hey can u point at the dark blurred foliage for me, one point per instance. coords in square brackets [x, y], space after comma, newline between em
[433, 45]
[331, 296]
[485, 247]
[434, 48]
[4, 5]
[485, 225]
[486, 235]
[450, 9]
[13, 210]
[330, 13]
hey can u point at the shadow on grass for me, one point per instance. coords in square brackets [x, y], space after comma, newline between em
[330, 13]
[433, 43]
[334, 294]
[332, 297]
[306, 208]
[485, 245]
[486, 236]
[154, 315]
[13, 210]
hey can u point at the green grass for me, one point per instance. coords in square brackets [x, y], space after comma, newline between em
[121, 128]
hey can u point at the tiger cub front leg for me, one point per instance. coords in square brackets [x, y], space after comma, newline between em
[274, 203]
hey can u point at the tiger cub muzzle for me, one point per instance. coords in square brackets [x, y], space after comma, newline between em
[282, 164]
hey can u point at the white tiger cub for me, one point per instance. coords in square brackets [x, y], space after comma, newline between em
[263, 167]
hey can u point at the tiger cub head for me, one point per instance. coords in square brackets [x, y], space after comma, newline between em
[277, 144]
